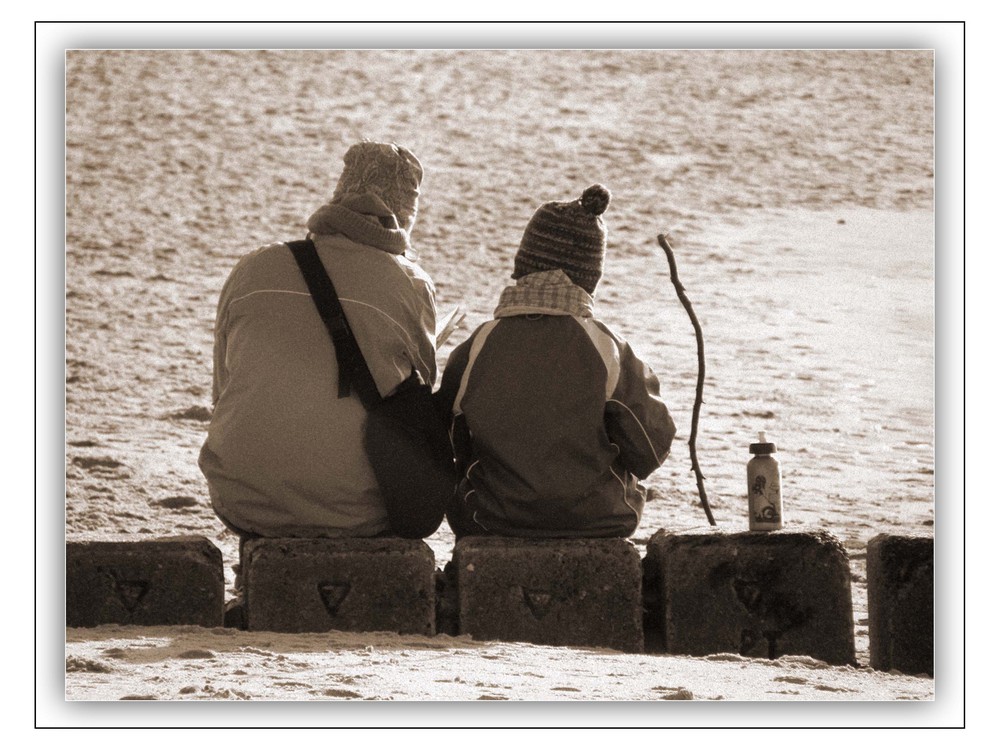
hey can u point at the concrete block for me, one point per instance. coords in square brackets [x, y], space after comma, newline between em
[167, 581]
[559, 592]
[901, 603]
[316, 585]
[759, 594]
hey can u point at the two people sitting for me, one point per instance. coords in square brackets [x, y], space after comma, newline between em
[554, 420]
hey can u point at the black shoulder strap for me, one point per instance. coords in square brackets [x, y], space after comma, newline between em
[353, 370]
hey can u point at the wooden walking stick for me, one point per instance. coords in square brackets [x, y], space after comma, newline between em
[699, 477]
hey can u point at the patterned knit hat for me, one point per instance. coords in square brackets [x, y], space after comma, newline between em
[568, 236]
[389, 172]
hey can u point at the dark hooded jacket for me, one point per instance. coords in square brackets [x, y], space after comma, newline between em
[554, 418]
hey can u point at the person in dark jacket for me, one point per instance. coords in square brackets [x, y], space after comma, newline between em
[554, 419]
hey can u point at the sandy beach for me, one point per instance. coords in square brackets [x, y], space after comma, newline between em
[797, 188]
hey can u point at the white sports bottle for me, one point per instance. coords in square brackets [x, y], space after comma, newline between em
[764, 486]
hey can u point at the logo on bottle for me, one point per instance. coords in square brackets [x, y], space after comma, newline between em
[765, 509]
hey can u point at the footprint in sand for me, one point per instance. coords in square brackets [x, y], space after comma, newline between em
[680, 695]
[78, 664]
[194, 413]
[793, 680]
[177, 502]
[92, 463]
[832, 689]
[196, 653]
[338, 693]
[674, 693]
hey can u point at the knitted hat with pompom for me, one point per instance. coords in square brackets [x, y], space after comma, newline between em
[568, 236]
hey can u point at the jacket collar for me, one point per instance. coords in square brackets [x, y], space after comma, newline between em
[545, 293]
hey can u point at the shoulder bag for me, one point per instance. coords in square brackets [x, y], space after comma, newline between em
[405, 438]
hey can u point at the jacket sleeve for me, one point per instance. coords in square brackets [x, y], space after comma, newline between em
[235, 282]
[220, 373]
[218, 359]
[427, 342]
[444, 400]
[635, 417]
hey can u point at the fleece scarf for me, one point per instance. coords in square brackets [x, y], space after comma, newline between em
[545, 293]
[364, 218]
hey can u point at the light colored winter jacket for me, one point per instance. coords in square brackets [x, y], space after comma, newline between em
[284, 455]
[555, 419]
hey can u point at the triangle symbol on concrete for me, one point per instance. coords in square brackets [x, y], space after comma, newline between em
[748, 592]
[333, 595]
[130, 593]
[538, 602]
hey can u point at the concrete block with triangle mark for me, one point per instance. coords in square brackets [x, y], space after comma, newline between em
[165, 581]
[361, 585]
[559, 592]
[757, 594]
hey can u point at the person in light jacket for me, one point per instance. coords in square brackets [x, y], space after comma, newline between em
[284, 455]
[554, 417]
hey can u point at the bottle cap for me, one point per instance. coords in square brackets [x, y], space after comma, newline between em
[762, 447]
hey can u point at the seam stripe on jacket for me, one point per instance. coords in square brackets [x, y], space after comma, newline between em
[408, 339]
[608, 350]
[265, 291]
[645, 434]
[477, 346]
[625, 494]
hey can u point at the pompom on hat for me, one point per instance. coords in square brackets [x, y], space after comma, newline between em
[568, 236]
